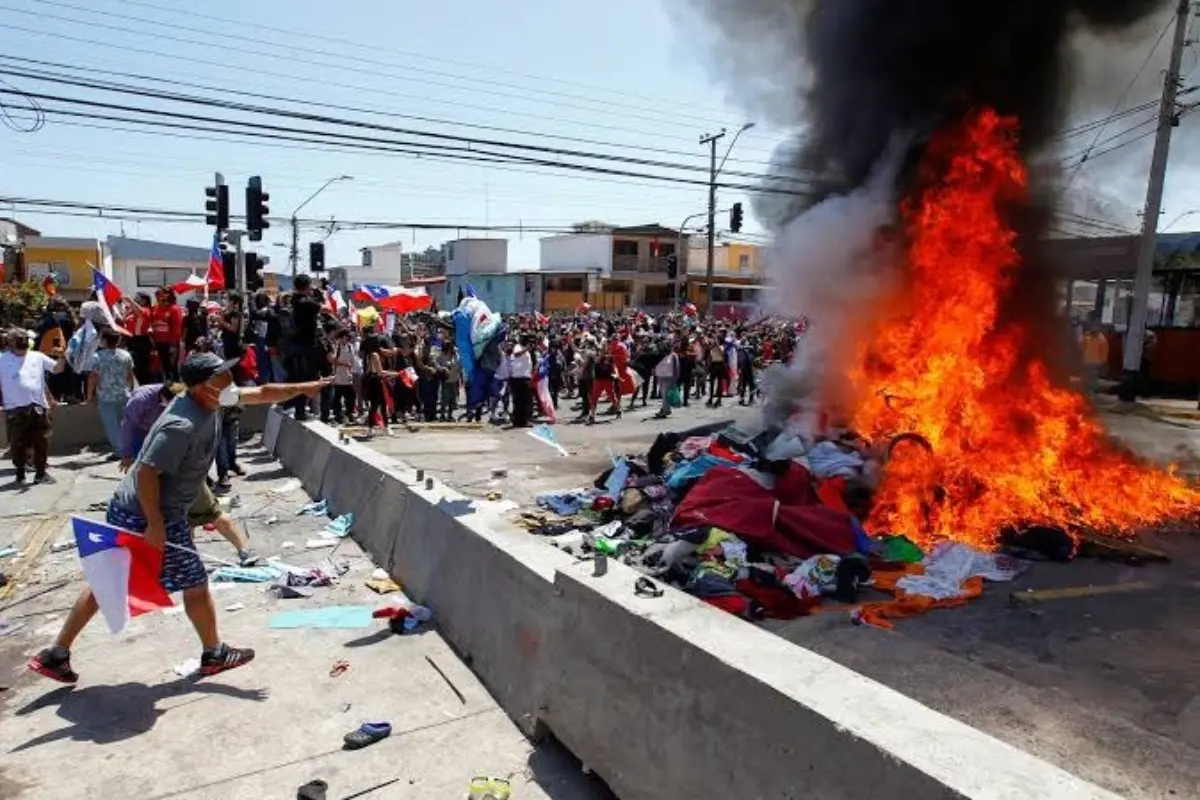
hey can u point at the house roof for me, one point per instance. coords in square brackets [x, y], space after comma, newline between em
[653, 229]
[124, 247]
[23, 230]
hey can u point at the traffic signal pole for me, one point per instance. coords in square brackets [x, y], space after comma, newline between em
[294, 254]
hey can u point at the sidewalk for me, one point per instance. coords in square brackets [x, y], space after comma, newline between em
[133, 728]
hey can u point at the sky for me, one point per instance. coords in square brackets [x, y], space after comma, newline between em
[635, 78]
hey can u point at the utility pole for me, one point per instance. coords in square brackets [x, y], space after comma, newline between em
[294, 255]
[240, 262]
[1135, 335]
[710, 139]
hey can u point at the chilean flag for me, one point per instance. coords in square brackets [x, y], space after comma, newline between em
[216, 267]
[401, 299]
[106, 289]
[122, 569]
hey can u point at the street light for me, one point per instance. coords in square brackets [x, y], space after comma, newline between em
[1173, 222]
[294, 255]
[713, 171]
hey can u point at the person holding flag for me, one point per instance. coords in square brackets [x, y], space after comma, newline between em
[150, 506]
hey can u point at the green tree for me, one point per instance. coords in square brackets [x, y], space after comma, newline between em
[21, 304]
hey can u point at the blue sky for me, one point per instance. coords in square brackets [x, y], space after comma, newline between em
[617, 74]
[626, 72]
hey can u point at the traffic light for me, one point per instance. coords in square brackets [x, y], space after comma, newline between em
[254, 266]
[735, 218]
[672, 266]
[256, 209]
[316, 256]
[217, 206]
[229, 268]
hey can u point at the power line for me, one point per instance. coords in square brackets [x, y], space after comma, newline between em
[190, 216]
[358, 59]
[356, 109]
[1121, 100]
[58, 78]
[290, 59]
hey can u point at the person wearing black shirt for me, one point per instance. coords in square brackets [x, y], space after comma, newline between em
[305, 357]
[231, 327]
[194, 326]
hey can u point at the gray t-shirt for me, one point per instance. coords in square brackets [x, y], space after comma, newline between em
[182, 445]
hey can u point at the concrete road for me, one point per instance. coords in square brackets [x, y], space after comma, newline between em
[1103, 681]
[132, 728]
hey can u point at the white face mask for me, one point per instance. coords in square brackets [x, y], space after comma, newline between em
[230, 396]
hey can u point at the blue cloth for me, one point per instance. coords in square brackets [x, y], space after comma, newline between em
[327, 617]
[181, 569]
[693, 470]
[462, 342]
[479, 386]
[565, 504]
[862, 542]
[617, 478]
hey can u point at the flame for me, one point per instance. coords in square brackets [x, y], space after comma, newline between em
[1007, 446]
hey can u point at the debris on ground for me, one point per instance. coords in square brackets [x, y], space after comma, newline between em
[63, 546]
[187, 668]
[339, 666]
[768, 525]
[461, 698]
[366, 735]
[489, 789]
[327, 617]
[288, 486]
[8, 627]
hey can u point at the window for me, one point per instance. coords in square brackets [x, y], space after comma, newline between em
[725, 294]
[743, 262]
[37, 271]
[366, 253]
[564, 284]
[154, 277]
[449, 251]
[625, 247]
[658, 296]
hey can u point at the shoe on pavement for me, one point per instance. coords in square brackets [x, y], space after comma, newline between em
[42, 477]
[223, 659]
[55, 667]
[247, 558]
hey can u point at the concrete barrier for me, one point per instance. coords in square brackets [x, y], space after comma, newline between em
[75, 427]
[662, 697]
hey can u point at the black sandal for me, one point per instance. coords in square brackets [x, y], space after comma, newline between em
[644, 587]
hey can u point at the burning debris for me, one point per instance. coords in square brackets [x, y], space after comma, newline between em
[914, 253]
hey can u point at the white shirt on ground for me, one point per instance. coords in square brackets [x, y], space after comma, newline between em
[23, 378]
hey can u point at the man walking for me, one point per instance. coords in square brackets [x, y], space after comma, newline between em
[25, 396]
[153, 499]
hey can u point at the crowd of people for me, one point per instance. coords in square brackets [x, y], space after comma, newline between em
[169, 381]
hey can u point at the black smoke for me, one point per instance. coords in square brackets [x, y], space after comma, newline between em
[870, 70]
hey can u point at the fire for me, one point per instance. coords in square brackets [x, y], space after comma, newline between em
[1008, 445]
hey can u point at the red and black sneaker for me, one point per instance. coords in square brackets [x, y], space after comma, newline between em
[53, 666]
[224, 659]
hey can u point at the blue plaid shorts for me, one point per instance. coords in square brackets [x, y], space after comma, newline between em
[181, 570]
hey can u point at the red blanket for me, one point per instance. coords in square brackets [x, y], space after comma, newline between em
[790, 520]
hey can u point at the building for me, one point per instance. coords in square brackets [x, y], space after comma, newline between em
[517, 292]
[69, 259]
[476, 256]
[739, 275]
[621, 268]
[429, 263]
[142, 265]
[382, 265]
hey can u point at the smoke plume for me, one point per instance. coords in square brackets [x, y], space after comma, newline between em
[853, 74]
[865, 83]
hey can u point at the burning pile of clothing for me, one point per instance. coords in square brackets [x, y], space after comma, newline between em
[763, 526]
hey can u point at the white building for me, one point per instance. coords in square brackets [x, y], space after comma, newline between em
[140, 265]
[587, 253]
[476, 256]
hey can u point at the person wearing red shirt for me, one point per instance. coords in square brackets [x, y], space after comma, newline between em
[166, 330]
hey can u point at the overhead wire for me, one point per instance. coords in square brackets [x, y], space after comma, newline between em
[1121, 100]
[471, 142]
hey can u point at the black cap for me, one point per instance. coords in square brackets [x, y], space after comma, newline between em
[201, 367]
